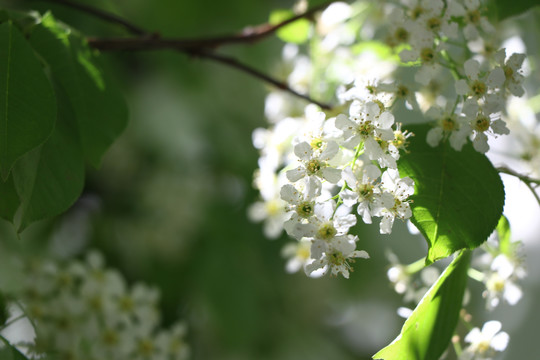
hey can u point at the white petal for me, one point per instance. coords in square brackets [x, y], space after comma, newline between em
[331, 150]
[515, 61]
[360, 254]
[500, 341]
[296, 174]
[344, 223]
[473, 336]
[490, 328]
[480, 143]
[343, 123]
[472, 68]
[434, 136]
[386, 224]
[470, 108]
[386, 120]
[318, 247]
[512, 293]
[371, 172]
[303, 151]
[462, 88]
[459, 138]
[516, 89]
[350, 198]
[496, 78]
[434, 113]
[500, 56]
[290, 194]
[455, 9]
[470, 32]
[325, 210]
[331, 174]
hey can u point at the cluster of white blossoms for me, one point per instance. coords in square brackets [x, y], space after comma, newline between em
[336, 164]
[82, 310]
[318, 170]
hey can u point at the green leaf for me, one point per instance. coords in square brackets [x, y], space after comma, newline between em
[99, 108]
[296, 32]
[4, 313]
[505, 236]
[459, 196]
[27, 103]
[10, 200]
[506, 9]
[9, 352]
[51, 178]
[427, 332]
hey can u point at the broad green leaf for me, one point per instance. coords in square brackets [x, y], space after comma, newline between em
[505, 236]
[4, 313]
[100, 110]
[459, 196]
[427, 332]
[506, 9]
[10, 200]
[27, 103]
[51, 178]
[296, 32]
[9, 352]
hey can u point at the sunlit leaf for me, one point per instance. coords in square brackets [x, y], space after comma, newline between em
[459, 196]
[505, 236]
[427, 332]
[296, 32]
[27, 103]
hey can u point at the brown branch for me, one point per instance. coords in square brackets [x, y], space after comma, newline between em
[201, 47]
[246, 36]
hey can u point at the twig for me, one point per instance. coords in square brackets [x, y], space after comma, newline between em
[232, 62]
[200, 47]
[528, 181]
[104, 15]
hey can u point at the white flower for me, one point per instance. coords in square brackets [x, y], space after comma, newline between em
[298, 254]
[448, 126]
[483, 344]
[336, 258]
[484, 120]
[501, 282]
[472, 16]
[512, 73]
[301, 202]
[364, 191]
[315, 163]
[271, 209]
[476, 86]
[400, 189]
[326, 226]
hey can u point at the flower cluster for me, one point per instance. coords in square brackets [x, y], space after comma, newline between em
[83, 310]
[333, 166]
[315, 167]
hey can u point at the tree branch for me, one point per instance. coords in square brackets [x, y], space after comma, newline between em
[200, 47]
[528, 181]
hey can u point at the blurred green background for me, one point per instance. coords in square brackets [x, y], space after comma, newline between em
[168, 206]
